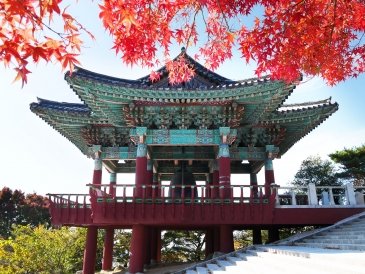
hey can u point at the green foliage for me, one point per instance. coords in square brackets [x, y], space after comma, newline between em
[317, 171]
[242, 239]
[321, 173]
[183, 246]
[290, 231]
[352, 162]
[122, 240]
[41, 250]
[18, 209]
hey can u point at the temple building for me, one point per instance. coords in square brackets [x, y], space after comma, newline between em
[203, 130]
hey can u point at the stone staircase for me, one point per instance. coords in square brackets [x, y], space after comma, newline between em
[336, 249]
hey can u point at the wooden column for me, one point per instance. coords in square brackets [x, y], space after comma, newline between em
[273, 235]
[269, 170]
[209, 242]
[113, 182]
[224, 162]
[147, 246]
[253, 183]
[109, 232]
[108, 249]
[141, 170]
[215, 180]
[90, 250]
[226, 239]
[149, 179]
[155, 245]
[138, 250]
[97, 166]
[156, 191]
[216, 239]
[92, 231]
[256, 236]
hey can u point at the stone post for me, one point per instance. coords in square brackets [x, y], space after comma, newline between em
[350, 194]
[312, 194]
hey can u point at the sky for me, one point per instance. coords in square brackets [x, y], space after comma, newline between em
[36, 158]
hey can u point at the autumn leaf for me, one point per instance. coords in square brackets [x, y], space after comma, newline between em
[22, 73]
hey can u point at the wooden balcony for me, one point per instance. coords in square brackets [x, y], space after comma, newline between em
[198, 206]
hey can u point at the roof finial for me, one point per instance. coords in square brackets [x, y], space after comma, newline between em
[183, 49]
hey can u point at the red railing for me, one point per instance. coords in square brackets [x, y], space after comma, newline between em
[70, 208]
[180, 193]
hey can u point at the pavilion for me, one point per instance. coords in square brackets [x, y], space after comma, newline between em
[210, 127]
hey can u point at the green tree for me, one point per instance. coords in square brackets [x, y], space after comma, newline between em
[319, 172]
[18, 209]
[242, 239]
[352, 162]
[183, 246]
[41, 250]
[122, 240]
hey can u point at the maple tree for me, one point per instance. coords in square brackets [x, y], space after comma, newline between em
[286, 39]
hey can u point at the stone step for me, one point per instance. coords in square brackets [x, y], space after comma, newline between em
[338, 241]
[317, 260]
[242, 255]
[214, 267]
[349, 233]
[345, 229]
[330, 236]
[202, 270]
[291, 264]
[334, 246]
[191, 272]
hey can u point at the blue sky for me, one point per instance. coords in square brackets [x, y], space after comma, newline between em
[34, 157]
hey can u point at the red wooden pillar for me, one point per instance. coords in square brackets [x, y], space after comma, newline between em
[269, 170]
[209, 242]
[148, 194]
[92, 231]
[216, 239]
[113, 182]
[109, 232]
[138, 251]
[147, 247]
[155, 239]
[253, 184]
[215, 181]
[108, 249]
[90, 250]
[149, 179]
[256, 236]
[226, 238]
[97, 168]
[273, 235]
[208, 183]
[224, 163]
[141, 170]
[159, 246]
